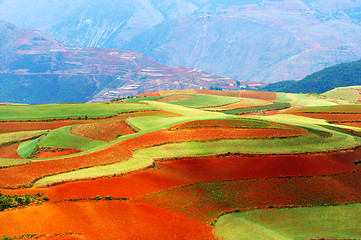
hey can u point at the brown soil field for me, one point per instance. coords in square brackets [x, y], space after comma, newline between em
[192, 170]
[10, 152]
[219, 93]
[268, 96]
[52, 154]
[205, 201]
[111, 220]
[237, 105]
[25, 174]
[103, 131]
[174, 98]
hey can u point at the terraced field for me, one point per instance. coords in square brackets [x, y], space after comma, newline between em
[184, 164]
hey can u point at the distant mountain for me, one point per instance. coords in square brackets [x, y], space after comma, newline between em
[257, 40]
[341, 75]
[35, 68]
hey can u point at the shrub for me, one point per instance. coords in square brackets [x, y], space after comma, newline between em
[357, 162]
[108, 198]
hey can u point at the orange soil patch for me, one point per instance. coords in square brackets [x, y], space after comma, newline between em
[237, 105]
[102, 131]
[192, 170]
[219, 93]
[268, 96]
[174, 98]
[205, 201]
[111, 220]
[53, 154]
[151, 94]
[331, 117]
[10, 152]
[172, 92]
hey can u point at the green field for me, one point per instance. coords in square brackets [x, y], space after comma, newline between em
[25, 149]
[62, 138]
[349, 94]
[337, 222]
[16, 136]
[202, 101]
[50, 111]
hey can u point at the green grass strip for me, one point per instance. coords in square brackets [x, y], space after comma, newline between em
[49, 111]
[200, 101]
[25, 149]
[16, 136]
[336, 222]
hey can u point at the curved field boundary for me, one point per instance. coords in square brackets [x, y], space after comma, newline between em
[206, 201]
[144, 158]
[334, 222]
[173, 92]
[7, 143]
[202, 101]
[268, 96]
[219, 93]
[271, 107]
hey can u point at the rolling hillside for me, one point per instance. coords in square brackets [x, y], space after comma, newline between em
[255, 40]
[35, 69]
[341, 75]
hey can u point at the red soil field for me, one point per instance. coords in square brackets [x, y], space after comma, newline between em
[151, 94]
[10, 152]
[205, 201]
[188, 171]
[331, 117]
[110, 220]
[268, 96]
[25, 174]
[102, 131]
[174, 98]
[52, 154]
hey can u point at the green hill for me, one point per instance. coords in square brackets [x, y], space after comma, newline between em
[340, 75]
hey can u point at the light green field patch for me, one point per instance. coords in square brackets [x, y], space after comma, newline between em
[349, 94]
[16, 136]
[302, 100]
[282, 98]
[202, 101]
[26, 148]
[49, 111]
[62, 138]
[12, 162]
[336, 222]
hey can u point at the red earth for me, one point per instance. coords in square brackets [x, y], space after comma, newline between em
[10, 152]
[205, 201]
[52, 154]
[111, 220]
[192, 170]
[25, 174]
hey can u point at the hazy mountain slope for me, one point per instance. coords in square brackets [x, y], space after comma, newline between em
[340, 75]
[34, 68]
[259, 40]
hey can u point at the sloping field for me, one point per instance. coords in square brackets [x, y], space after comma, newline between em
[203, 169]
[242, 103]
[331, 222]
[202, 101]
[174, 98]
[103, 131]
[205, 201]
[219, 93]
[267, 96]
[350, 94]
[10, 152]
[97, 220]
[51, 111]
[18, 136]
[172, 92]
